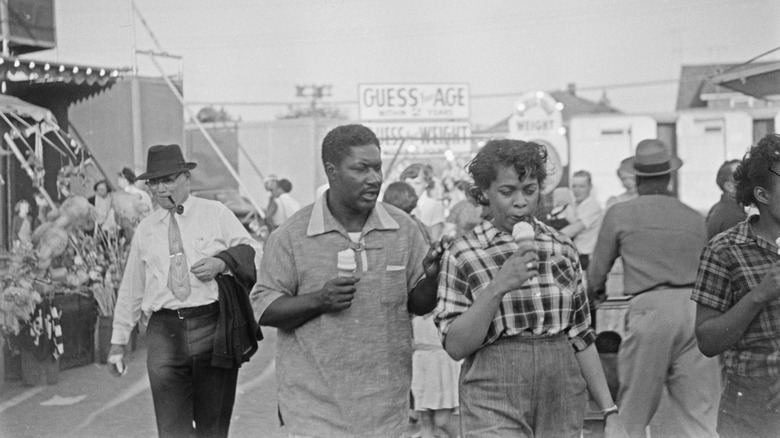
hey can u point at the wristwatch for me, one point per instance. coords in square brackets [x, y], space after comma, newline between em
[609, 411]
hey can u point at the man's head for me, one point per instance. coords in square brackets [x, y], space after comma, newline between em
[101, 188]
[757, 177]
[725, 177]
[126, 178]
[401, 195]
[284, 185]
[419, 176]
[581, 184]
[168, 175]
[653, 165]
[353, 165]
[627, 177]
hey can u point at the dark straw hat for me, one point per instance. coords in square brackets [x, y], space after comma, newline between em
[653, 158]
[164, 160]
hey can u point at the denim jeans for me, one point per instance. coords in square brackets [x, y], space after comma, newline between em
[522, 387]
[185, 387]
[743, 408]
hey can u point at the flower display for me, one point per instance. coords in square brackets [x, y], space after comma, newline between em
[70, 253]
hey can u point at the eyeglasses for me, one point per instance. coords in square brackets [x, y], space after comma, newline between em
[770, 169]
[167, 181]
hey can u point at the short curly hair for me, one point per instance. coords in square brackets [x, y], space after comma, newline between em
[336, 144]
[529, 159]
[754, 170]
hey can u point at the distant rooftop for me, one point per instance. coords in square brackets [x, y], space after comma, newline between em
[696, 80]
[573, 105]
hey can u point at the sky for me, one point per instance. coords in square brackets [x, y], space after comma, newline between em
[252, 54]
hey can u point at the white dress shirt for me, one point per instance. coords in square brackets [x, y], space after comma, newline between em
[207, 227]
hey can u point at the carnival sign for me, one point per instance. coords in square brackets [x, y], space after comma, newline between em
[423, 137]
[538, 118]
[396, 102]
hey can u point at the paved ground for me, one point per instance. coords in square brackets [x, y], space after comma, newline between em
[116, 407]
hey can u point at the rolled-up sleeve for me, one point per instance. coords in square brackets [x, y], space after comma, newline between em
[453, 297]
[581, 335]
[277, 276]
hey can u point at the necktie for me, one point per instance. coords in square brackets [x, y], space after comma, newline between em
[178, 276]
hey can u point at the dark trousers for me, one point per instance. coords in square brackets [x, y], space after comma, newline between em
[185, 387]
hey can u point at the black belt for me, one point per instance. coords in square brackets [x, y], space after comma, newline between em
[191, 312]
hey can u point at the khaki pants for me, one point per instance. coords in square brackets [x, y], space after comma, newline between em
[660, 349]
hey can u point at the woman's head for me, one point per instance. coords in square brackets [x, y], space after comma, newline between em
[419, 176]
[508, 177]
[757, 177]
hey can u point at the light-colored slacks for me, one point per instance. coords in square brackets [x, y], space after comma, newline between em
[659, 349]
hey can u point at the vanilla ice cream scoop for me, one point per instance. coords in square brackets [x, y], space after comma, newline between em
[523, 231]
[346, 263]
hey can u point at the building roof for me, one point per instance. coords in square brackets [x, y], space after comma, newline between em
[573, 105]
[761, 80]
[697, 80]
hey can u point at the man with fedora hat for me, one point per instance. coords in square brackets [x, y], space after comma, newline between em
[177, 276]
[660, 240]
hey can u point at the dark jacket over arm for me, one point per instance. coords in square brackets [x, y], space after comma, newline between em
[235, 340]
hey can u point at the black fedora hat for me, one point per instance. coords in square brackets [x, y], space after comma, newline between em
[163, 160]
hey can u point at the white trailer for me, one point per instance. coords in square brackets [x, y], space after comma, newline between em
[598, 143]
[705, 139]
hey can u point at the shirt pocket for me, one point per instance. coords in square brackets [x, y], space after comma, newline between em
[394, 288]
[208, 247]
[563, 273]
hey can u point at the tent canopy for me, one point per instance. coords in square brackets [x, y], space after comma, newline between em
[14, 105]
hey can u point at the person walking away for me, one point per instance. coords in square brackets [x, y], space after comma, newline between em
[189, 267]
[516, 311]
[659, 239]
[727, 212]
[282, 205]
[587, 212]
[737, 295]
[344, 339]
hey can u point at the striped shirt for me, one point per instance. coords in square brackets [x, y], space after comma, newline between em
[733, 264]
[549, 304]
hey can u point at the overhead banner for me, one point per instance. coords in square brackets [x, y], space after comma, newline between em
[423, 137]
[395, 102]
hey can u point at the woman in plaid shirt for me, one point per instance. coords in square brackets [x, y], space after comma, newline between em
[737, 293]
[518, 313]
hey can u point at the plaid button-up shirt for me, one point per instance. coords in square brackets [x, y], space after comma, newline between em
[551, 303]
[733, 264]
